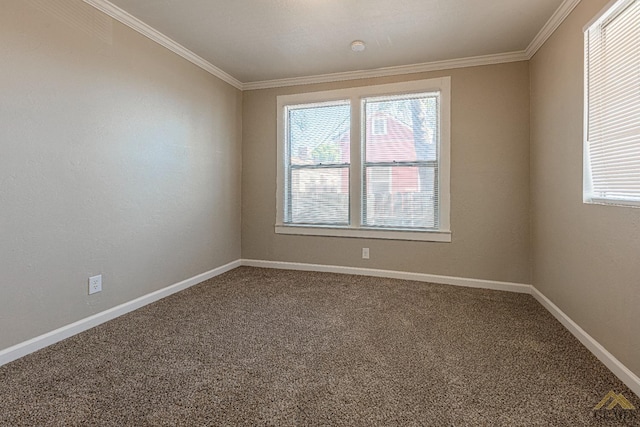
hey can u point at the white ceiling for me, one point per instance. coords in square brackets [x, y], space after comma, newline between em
[259, 40]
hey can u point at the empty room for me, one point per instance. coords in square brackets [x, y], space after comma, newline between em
[319, 212]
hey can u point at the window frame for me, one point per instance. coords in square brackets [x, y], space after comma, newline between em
[356, 95]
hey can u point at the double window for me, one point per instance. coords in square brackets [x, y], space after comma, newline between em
[612, 106]
[366, 162]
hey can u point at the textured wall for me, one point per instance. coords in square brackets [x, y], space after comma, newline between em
[585, 257]
[489, 182]
[117, 157]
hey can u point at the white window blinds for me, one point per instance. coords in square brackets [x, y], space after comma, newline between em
[318, 157]
[401, 164]
[612, 101]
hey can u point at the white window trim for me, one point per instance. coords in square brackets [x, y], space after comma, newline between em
[365, 233]
[355, 95]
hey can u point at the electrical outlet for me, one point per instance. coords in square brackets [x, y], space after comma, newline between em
[365, 253]
[95, 284]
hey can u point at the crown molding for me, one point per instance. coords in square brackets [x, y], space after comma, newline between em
[134, 23]
[448, 64]
[558, 17]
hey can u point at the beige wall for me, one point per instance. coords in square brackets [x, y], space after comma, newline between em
[117, 157]
[585, 257]
[489, 181]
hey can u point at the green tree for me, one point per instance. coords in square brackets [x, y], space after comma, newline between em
[326, 153]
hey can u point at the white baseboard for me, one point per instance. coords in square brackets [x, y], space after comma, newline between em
[619, 370]
[392, 274]
[22, 349]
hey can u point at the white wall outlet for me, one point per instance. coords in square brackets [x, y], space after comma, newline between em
[95, 284]
[365, 253]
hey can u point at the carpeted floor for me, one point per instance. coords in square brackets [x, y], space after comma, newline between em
[272, 347]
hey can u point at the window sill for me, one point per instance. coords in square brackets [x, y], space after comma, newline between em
[612, 202]
[365, 233]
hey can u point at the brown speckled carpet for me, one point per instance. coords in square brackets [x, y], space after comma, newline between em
[268, 347]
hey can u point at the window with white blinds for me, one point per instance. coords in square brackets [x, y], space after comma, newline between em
[317, 181]
[401, 164]
[366, 162]
[612, 106]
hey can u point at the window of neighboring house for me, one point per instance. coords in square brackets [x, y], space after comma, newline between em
[612, 106]
[379, 125]
[366, 162]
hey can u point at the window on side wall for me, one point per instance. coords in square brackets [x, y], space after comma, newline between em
[366, 162]
[612, 106]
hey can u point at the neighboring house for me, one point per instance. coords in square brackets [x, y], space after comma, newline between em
[389, 139]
